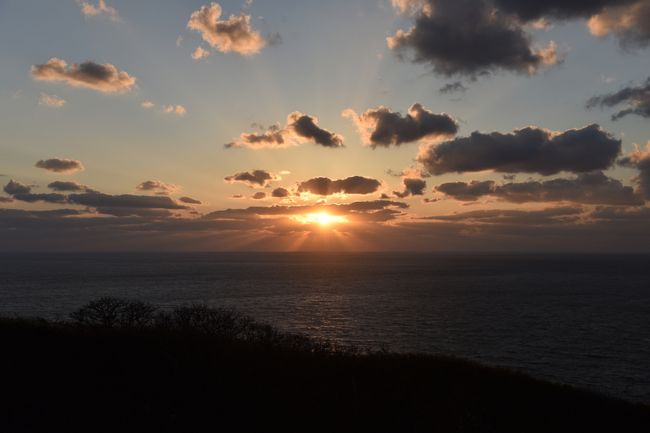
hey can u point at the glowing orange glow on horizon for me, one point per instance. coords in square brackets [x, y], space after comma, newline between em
[323, 219]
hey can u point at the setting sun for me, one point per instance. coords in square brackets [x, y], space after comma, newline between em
[321, 218]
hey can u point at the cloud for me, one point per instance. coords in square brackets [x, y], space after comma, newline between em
[350, 185]
[179, 110]
[371, 225]
[549, 216]
[189, 200]
[629, 22]
[51, 101]
[158, 187]
[382, 127]
[253, 179]
[147, 104]
[377, 211]
[234, 34]
[61, 186]
[412, 186]
[125, 203]
[455, 87]
[104, 78]
[306, 127]
[258, 195]
[55, 198]
[15, 187]
[200, 53]
[280, 192]
[60, 165]
[469, 38]
[90, 10]
[640, 159]
[467, 191]
[533, 10]
[527, 150]
[635, 98]
[267, 228]
[587, 188]
[6, 199]
[300, 129]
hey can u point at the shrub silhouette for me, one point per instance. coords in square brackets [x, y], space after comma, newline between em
[197, 319]
[102, 312]
[113, 312]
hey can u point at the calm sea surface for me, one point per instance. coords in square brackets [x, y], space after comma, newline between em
[581, 320]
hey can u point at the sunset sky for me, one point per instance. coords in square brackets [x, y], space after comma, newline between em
[426, 125]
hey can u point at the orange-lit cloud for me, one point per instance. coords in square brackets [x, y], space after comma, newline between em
[90, 10]
[104, 78]
[234, 34]
[51, 101]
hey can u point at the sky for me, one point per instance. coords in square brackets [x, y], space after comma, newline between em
[360, 125]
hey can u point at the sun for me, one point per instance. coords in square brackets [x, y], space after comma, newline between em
[324, 219]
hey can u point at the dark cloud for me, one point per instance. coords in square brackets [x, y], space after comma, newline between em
[587, 188]
[635, 98]
[467, 191]
[305, 126]
[621, 215]
[300, 128]
[640, 159]
[157, 186]
[189, 200]
[528, 150]
[272, 138]
[628, 20]
[254, 179]
[234, 34]
[99, 200]
[47, 198]
[101, 77]
[555, 215]
[14, 187]
[470, 38]
[60, 165]
[350, 185]
[529, 10]
[61, 186]
[455, 87]
[382, 127]
[280, 192]
[259, 195]
[412, 186]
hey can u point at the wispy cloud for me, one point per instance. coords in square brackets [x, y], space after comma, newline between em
[52, 101]
[101, 9]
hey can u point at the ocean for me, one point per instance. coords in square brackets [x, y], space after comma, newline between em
[582, 320]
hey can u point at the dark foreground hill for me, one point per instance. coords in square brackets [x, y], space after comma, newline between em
[122, 367]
